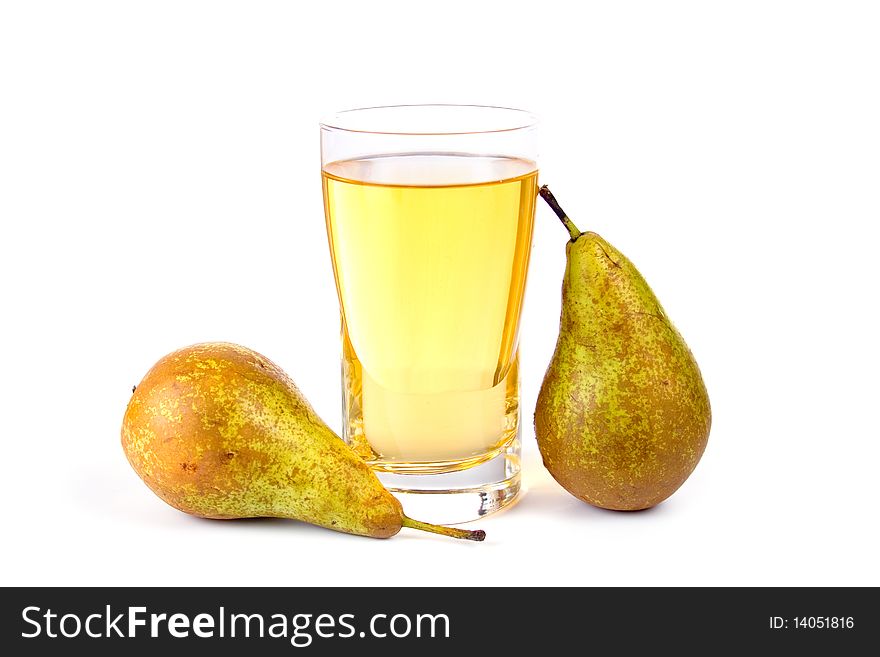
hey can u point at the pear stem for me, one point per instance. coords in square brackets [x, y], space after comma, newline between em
[468, 534]
[547, 195]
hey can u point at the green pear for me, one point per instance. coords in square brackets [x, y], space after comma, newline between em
[623, 414]
[219, 431]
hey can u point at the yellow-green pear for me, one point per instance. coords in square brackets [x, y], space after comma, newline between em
[219, 431]
[623, 415]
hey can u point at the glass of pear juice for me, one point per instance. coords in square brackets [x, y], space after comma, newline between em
[429, 212]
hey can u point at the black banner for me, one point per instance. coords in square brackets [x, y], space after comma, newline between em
[332, 621]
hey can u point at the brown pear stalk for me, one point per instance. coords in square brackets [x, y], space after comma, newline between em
[219, 431]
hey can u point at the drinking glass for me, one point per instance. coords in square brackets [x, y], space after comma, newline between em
[429, 212]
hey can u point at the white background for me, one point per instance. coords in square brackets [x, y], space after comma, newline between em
[159, 186]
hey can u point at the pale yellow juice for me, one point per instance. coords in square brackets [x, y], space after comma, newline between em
[430, 253]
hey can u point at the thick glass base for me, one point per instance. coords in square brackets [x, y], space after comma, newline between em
[449, 498]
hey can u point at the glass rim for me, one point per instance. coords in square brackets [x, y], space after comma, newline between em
[337, 120]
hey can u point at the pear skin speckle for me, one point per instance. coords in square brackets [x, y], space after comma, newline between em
[219, 431]
[623, 415]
